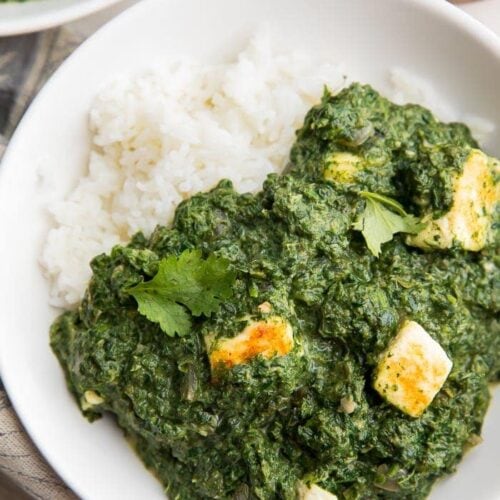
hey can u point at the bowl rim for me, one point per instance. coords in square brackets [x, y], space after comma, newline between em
[32, 22]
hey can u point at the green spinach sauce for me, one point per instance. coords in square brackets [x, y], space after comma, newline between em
[265, 425]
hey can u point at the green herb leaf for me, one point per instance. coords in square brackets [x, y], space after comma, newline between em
[186, 281]
[172, 317]
[379, 224]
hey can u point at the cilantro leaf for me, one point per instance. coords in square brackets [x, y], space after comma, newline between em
[183, 283]
[379, 224]
[172, 317]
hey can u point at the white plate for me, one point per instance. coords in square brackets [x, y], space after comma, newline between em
[36, 15]
[428, 37]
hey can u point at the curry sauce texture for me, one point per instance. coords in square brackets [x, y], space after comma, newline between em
[329, 370]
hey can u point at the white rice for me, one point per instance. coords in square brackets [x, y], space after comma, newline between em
[162, 136]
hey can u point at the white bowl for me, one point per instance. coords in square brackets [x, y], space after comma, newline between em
[428, 37]
[35, 15]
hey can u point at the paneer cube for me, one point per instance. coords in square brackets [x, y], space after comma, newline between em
[269, 337]
[342, 167]
[470, 218]
[412, 370]
[314, 492]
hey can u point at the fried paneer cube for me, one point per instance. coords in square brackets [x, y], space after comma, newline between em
[469, 221]
[268, 337]
[412, 370]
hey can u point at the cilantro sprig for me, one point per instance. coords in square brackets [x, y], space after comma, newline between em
[184, 286]
[379, 224]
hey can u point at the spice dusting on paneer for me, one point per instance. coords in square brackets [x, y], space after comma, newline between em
[412, 370]
[270, 337]
[469, 221]
[314, 492]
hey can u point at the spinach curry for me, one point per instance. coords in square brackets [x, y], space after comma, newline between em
[215, 423]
